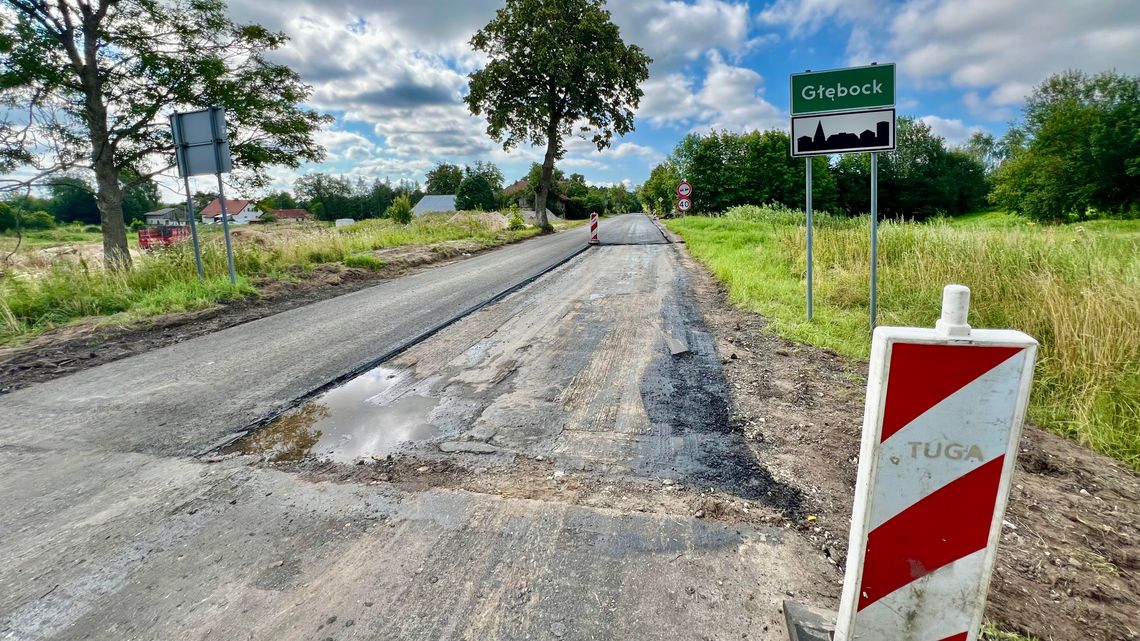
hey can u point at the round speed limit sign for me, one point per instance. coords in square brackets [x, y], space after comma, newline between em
[684, 189]
[684, 204]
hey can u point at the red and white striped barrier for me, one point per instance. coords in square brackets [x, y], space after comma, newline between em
[593, 228]
[940, 435]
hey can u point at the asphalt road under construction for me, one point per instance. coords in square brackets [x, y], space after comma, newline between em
[514, 446]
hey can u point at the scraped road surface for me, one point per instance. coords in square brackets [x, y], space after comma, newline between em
[567, 479]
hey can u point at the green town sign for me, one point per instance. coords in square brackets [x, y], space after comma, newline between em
[843, 89]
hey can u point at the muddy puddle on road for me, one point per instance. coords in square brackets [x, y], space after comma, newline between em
[366, 417]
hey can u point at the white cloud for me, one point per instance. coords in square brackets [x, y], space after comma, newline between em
[396, 71]
[668, 99]
[730, 97]
[674, 32]
[953, 130]
[805, 17]
[1007, 47]
[626, 149]
[980, 107]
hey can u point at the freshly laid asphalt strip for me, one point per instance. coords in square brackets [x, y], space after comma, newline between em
[185, 398]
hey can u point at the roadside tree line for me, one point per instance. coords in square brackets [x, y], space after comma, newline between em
[1075, 155]
[71, 199]
[923, 177]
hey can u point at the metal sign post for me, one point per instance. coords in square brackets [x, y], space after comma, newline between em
[217, 128]
[874, 237]
[684, 191]
[807, 197]
[202, 147]
[844, 111]
[193, 228]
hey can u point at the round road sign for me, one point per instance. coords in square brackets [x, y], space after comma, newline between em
[684, 204]
[684, 189]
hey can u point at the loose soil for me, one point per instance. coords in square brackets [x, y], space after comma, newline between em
[1068, 563]
[72, 348]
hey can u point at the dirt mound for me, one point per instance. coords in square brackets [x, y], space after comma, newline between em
[252, 237]
[491, 220]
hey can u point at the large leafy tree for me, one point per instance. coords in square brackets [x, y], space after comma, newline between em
[73, 200]
[326, 197]
[657, 193]
[1077, 154]
[95, 80]
[444, 178]
[555, 65]
[475, 193]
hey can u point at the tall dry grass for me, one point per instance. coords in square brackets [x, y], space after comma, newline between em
[1075, 290]
[167, 281]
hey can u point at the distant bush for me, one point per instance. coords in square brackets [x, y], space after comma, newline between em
[7, 218]
[92, 229]
[38, 220]
[364, 261]
[400, 210]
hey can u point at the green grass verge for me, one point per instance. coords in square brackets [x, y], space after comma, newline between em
[1075, 288]
[990, 632]
[167, 281]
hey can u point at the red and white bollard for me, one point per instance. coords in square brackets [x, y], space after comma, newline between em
[940, 436]
[593, 228]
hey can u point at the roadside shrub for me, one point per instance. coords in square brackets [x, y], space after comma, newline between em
[7, 218]
[400, 210]
[364, 261]
[515, 220]
[324, 255]
[38, 220]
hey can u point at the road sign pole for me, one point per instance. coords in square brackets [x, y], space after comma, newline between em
[874, 237]
[807, 196]
[222, 200]
[193, 228]
[225, 228]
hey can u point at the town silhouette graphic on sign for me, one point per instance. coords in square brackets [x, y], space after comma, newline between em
[881, 137]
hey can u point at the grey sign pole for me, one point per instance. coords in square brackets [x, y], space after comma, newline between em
[191, 218]
[222, 201]
[874, 237]
[809, 230]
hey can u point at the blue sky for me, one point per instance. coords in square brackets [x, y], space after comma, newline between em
[393, 72]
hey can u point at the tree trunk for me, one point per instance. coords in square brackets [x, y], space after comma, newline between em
[109, 193]
[109, 197]
[547, 176]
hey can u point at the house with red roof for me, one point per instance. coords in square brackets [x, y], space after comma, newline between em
[240, 212]
[290, 215]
